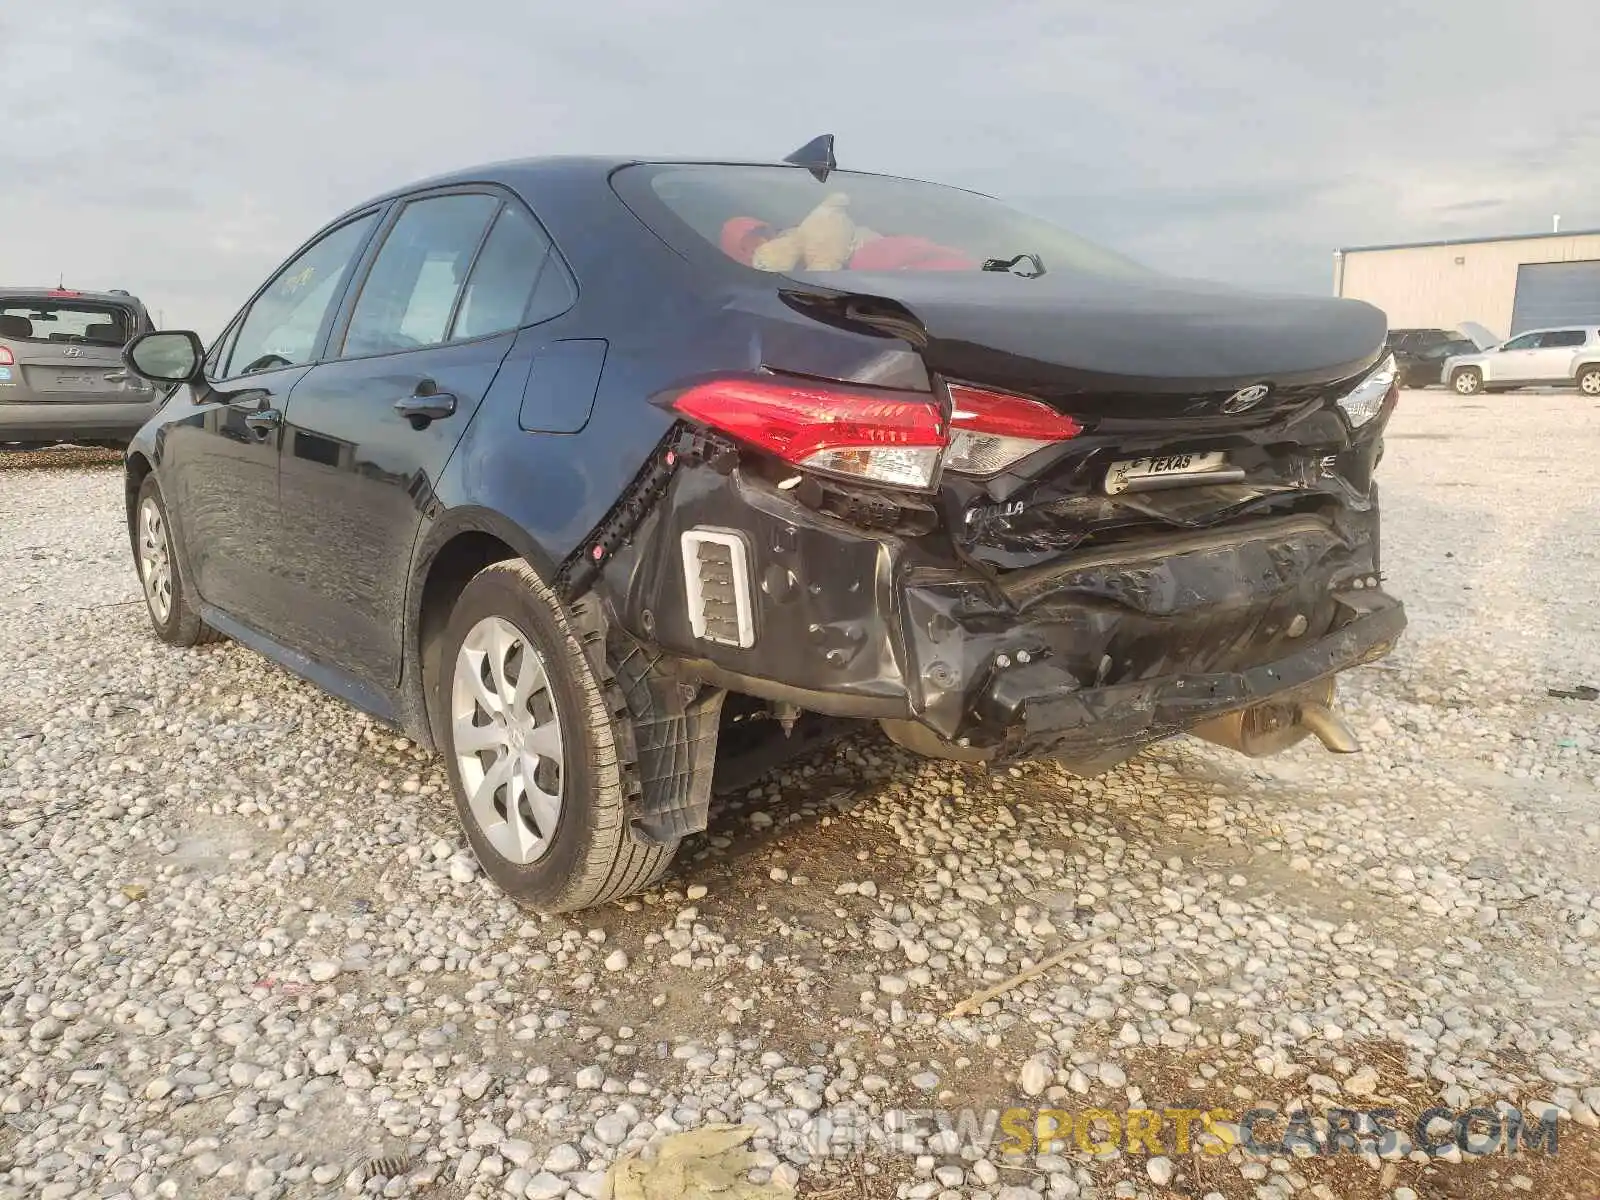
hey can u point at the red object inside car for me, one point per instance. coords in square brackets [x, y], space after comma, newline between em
[743, 236]
[909, 254]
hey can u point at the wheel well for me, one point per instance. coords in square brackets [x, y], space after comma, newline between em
[457, 561]
[134, 472]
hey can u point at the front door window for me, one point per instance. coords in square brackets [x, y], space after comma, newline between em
[285, 324]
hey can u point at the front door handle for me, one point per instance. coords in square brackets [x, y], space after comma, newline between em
[263, 421]
[425, 406]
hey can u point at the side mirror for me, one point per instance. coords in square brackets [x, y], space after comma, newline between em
[165, 356]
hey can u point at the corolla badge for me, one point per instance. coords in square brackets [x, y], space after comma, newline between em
[1246, 398]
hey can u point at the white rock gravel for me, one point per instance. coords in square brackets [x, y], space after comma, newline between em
[243, 949]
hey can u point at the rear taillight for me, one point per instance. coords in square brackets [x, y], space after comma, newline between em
[990, 431]
[6, 360]
[883, 437]
[892, 438]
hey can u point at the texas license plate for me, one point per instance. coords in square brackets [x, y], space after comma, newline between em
[1132, 473]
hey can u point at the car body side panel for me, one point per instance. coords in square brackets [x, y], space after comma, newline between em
[557, 486]
[1552, 363]
[659, 330]
[220, 479]
[355, 479]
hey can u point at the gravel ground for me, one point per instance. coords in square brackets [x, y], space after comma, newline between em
[243, 951]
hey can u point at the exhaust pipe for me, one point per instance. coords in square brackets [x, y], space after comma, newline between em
[1330, 728]
[1269, 728]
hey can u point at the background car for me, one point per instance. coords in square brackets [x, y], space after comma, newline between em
[62, 378]
[567, 466]
[1409, 341]
[1420, 353]
[1424, 367]
[1569, 355]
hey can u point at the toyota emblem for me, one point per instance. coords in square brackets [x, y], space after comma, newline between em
[1246, 398]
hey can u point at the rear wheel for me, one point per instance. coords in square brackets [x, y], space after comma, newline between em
[1589, 381]
[1468, 381]
[168, 597]
[532, 744]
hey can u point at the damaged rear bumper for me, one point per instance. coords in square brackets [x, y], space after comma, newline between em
[1103, 651]
[1052, 716]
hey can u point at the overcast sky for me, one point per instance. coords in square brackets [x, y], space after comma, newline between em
[181, 148]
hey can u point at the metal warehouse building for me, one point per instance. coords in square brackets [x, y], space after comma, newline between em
[1507, 284]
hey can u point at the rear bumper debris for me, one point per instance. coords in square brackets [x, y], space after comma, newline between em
[1052, 716]
[1105, 649]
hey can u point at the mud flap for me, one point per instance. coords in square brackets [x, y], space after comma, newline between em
[674, 725]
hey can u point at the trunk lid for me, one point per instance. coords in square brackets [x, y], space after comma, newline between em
[1134, 348]
[66, 351]
[1165, 378]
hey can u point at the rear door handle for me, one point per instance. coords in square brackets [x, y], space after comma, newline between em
[425, 406]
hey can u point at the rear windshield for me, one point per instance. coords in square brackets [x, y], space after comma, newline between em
[64, 321]
[784, 219]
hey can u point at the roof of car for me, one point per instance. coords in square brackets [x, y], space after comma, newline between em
[530, 175]
[58, 293]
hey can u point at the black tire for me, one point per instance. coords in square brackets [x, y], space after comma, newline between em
[593, 855]
[1467, 381]
[181, 624]
[1588, 381]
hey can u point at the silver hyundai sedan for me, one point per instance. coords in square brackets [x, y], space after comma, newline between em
[61, 372]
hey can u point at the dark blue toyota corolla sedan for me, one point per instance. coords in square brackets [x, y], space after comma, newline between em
[571, 468]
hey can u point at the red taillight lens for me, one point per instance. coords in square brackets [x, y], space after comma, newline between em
[990, 431]
[881, 437]
[886, 437]
[5, 357]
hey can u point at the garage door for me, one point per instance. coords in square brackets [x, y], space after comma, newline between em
[1564, 293]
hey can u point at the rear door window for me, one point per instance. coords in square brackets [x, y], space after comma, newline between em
[408, 300]
[508, 288]
[1557, 338]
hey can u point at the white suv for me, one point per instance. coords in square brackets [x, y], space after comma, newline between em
[1540, 356]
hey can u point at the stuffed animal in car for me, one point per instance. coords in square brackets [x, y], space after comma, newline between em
[823, 241]
[828, 239]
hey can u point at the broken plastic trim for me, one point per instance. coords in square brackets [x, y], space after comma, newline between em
[680, 445]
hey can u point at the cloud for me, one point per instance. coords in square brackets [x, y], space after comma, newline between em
[182, 148]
